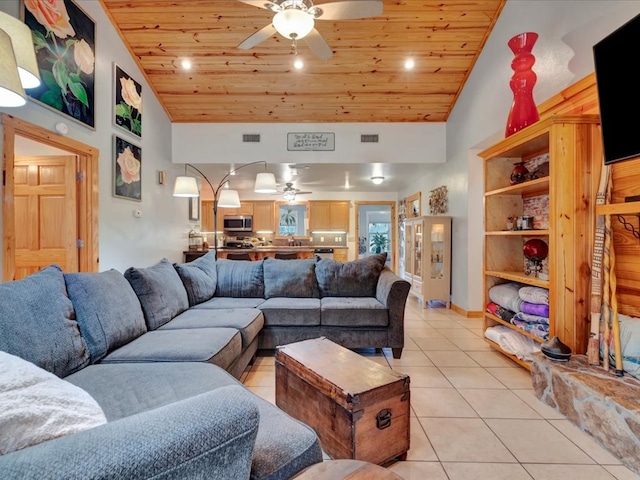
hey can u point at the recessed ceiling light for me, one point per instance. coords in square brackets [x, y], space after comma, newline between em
[377, 180]
[409, 63]
[186, 64]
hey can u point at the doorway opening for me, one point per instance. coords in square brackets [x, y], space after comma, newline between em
[375, 230]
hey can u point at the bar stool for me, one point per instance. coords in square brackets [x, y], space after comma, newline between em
[238, 256]
[286, 255]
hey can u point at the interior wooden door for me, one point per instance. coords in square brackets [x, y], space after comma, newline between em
[45, 213]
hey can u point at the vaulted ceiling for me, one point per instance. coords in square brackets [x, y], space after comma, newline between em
[364, 81]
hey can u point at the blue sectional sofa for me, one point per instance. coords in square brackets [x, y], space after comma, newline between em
[159, 350]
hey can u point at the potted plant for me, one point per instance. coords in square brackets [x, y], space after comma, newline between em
[378, 243]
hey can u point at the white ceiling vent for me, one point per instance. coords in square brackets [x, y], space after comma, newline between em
[250, 137]
[369, 138]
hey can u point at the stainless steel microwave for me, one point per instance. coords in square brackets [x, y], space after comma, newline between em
[238, 223]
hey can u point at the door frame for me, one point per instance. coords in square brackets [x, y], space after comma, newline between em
[394, 236]
[87, 200]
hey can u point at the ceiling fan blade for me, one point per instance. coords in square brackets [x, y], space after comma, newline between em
[274, 7]
[318, 45]
[349, 9]
[258, 37]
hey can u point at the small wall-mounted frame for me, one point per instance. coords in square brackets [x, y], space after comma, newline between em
[194, 208]
[438, 200]
[413, 205]
[162, 177]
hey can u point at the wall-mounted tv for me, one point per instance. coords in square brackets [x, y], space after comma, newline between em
[616, 66]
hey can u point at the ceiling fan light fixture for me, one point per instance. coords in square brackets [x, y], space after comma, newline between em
[293, 23]
[289, 196]
[377, 180]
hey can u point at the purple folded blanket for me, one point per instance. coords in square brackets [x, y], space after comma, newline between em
[538, 309]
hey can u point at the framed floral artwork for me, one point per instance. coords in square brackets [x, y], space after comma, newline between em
[127, 163]
[438, 200]
[127, 102]
[64, 40]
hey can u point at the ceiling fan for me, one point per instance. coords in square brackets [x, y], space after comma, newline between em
[289, 192]
[294, 19]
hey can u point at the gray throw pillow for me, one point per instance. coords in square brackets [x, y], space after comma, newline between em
[107, 309]
[240, 279]
[290, 278]
[199, 278]
[357, 278]
[160, 291]
[37, 323]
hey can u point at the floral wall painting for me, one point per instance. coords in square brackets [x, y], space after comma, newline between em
[64, 40]
[127, 164]
[438, 200]
[127, 108]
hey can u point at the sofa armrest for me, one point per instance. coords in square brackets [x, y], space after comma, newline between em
[210, 435]
[392, 292]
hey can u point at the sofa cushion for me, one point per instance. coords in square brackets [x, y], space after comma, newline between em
[240, 279]
[357, 278]
[36, 406]
[160, 291]
[220, 346]
[199, 278]
[228, 302]
[291, 311]
[290, 278]
[107, 310]
[353, 312]
[38, 323]
[249, 321]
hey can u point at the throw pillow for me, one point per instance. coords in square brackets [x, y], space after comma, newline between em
[290, 278]
[107, 310]
[357, 278]
[36, 406]
[160, 291]
[38, 323]
[199, 278]
[240, 279]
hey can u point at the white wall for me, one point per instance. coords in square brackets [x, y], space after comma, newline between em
[124, 240]
[567, 29]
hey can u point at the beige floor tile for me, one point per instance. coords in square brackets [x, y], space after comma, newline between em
[490, 358]
[536, 441]
[381, 360]
[464, 440]
[410, 358]
[462, 377]
[492, 403]
[451, 359]
[261, 379]
[428, 377]
[265, 360]
[534, 402]
[568, 472]
[516, 377]
[474, 344]
[586, 442]
[621, 473]
[468, 322]
[419, 470]
[485, 471]
[443, 324]
[424, 332]
[410, 344]
[440, 402]
[268, 393]
[458, 332]
[420, 448]
[431, 344]
[263, 368]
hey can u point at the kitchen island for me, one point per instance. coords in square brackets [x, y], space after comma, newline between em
[255, 253]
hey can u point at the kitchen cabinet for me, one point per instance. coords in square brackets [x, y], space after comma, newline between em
[263, 218]
[340, 254]
[329, 216]
[245, 208]
[206, 216]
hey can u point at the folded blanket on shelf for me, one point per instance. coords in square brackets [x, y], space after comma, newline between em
[525, 317]
[534, 295]
[538, 329]
[540, 309]
[500, 312]
[512, 342]
[506, 295]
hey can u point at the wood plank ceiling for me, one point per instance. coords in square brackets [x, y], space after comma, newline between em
[364, 81]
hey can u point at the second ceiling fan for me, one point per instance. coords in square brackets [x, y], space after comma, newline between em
[295, 20]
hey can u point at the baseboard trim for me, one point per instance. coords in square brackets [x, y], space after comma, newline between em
[465, 313]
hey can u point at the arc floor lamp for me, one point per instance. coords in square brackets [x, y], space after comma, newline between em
[186, 186]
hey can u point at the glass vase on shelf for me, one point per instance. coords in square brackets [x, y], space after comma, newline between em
[523, 109]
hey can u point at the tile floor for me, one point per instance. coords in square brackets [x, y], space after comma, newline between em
[474, 414]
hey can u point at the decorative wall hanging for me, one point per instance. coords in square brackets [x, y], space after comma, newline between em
[523, 109]
[127, 98]
[311, 141]
[64, 40]
[127, 163]
[438, 200]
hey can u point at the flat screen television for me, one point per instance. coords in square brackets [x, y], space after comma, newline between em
[616, 68]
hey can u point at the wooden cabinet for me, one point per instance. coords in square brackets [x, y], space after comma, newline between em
[427, 261]
[206, 216]
[340, 254]
[329, 216]
[560, 203]
[263, 218]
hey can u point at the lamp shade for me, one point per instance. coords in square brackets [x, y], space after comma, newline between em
[185, 187]
[228, 198]
[23, 50]
[265, 183]
[293, 23]
[11, 92]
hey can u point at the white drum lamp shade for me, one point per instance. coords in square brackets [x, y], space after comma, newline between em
[185, 187]
[23, 50]
[228, 198]
[11, 92]
[265, 183]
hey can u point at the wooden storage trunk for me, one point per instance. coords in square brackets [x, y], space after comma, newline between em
[359, 408]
